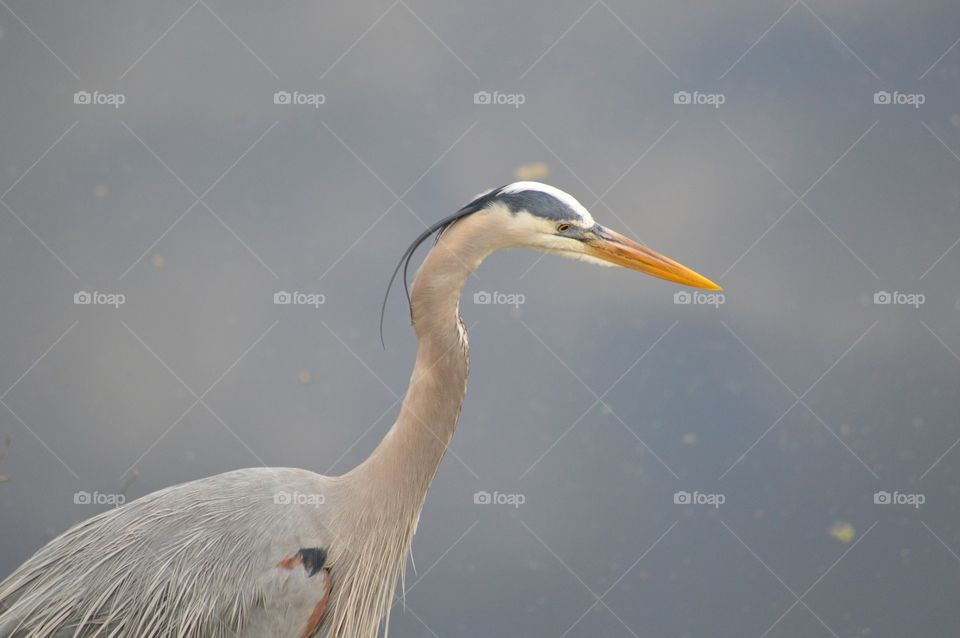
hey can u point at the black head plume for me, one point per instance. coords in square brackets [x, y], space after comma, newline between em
[477, 204]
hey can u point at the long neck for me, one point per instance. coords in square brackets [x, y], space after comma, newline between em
[389, 488]
[404, 464]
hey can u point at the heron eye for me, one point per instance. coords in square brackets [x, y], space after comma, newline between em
[562, 228]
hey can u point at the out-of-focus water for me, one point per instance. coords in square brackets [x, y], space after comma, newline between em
[183, 163]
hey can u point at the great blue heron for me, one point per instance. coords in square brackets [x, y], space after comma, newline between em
[287, 552]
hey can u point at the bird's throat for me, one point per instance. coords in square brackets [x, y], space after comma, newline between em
[387, 491]
[406, 461]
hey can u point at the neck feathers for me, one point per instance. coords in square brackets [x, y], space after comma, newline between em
[392, 484]
[411, 452]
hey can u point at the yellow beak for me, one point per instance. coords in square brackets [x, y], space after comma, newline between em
[617, 249]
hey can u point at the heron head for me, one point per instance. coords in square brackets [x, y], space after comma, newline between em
[545, 218]
[541, 217]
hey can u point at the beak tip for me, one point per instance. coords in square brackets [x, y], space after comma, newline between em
[705, 284]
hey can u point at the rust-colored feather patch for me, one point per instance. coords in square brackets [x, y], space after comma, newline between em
[316, 618]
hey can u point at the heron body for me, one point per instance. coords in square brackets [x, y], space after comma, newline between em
[280, 552]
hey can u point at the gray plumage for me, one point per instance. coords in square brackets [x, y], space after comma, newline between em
[183, 561]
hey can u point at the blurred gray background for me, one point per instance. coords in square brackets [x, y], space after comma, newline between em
[595, 401]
